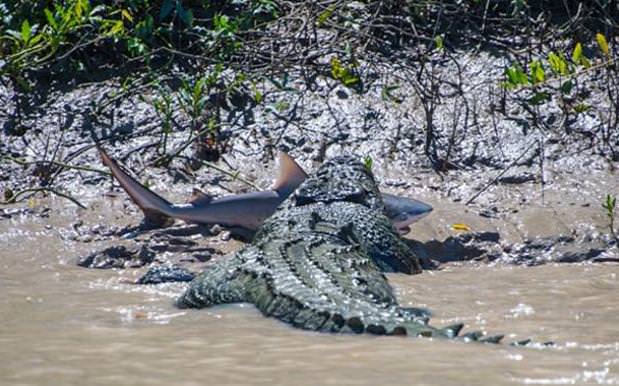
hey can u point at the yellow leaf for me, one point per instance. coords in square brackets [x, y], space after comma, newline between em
[32, 203]
[126, 15]
[117, 28]
[577, 53]
[601, 39]
[460, 227]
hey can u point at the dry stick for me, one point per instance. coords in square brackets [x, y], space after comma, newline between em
[61, 164]
[495, 179]
[234, 175]
[13, 199]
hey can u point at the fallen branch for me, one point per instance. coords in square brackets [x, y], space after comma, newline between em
[496, 178]
[56, 163]
[13, 198]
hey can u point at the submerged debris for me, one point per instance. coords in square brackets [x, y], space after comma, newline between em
[118, 257]
[488, 247]
[164, 274]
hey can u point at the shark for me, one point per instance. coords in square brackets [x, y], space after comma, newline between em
[244, 212]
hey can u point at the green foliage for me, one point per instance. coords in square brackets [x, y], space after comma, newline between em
[558, 64]
[515, 77]
[387, 94]
[578, 57]
[438, 42]
[538, 98]
[368, 162]
[538, 75]
[325, 15]
[602, 43]
[609, 204]
[258, 97]
[32, 36]
[344, 73]
[540, 81]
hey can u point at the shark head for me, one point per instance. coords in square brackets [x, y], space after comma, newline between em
[403, 211]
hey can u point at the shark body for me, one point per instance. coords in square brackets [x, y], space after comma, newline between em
[246, 210]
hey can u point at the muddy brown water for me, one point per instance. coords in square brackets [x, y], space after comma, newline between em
[65, 325]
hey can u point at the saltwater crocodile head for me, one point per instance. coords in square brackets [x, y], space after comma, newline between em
[342, 178]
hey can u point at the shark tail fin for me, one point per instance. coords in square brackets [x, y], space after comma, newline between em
[290, 174]
[157, 211]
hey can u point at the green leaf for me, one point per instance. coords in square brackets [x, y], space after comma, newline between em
[336, 68]
[566, 87]
[581, 107]
[125, 14]
[601, 39]
[117, 28]
[558, 64]
[609, 204]
[325, 15]
[368, 162]
[51, 20]
[387, 95]
[35, 39]
[438, 42]
[187, 17]
[258, 97]
[537, 72]
[81, 7]
[577, 53]
[539, 98]
[166, 8]
[350, 80]
[26, 31]
[343, 74]
[579, 58]
[516, 76]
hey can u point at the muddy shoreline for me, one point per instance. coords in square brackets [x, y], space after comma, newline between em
[528, 196]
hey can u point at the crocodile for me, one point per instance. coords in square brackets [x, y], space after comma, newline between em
[245, 212]
[318, 262]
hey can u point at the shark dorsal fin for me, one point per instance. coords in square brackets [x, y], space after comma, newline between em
[290, 174]
[199, 197]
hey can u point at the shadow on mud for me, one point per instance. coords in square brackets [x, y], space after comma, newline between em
[487, 247]
[177, 253]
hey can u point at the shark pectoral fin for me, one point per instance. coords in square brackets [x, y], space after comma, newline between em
[199, 197]
[290, 174]
[154, 219]
[403, 230]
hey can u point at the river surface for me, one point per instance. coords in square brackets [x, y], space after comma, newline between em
[65, 325]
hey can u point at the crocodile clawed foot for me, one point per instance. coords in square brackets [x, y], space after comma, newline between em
[472, 336]
[523, 342]
[495, 339]
[452, 331]
[529, 342]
